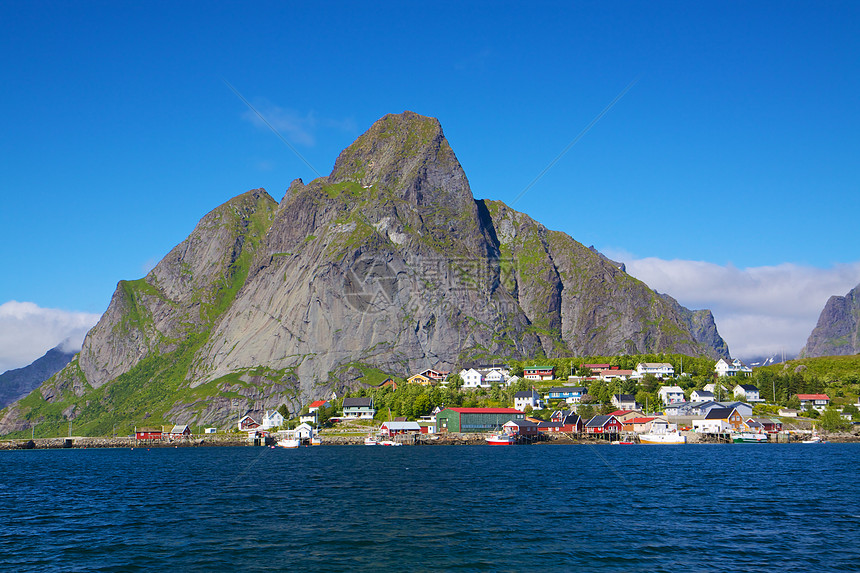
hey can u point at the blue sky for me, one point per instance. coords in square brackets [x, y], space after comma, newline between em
[736, 148]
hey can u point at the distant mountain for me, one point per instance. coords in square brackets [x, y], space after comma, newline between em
[838, 330]
[765, 360]
[15, 384]
[386, 266]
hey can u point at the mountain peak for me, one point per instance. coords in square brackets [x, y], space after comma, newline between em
[397, 150]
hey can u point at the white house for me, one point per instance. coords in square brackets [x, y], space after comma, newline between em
[715, 426]
[472, 379]
[272, 419]
[733, 368]
[624, 401]
[701, 396]
[747, 393]
[361, 408]
[671, 394]
[658, 369]
[495, 375]
[817, 401]
[303, 432]
[527, 398]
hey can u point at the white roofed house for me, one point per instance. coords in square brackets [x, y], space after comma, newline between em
[671, 394]
[472, 379]
[272, 419]
[495, 375]
[733, 368]
[747, 393]
[658, 369]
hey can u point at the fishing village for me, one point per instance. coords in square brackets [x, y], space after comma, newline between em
[542, 410]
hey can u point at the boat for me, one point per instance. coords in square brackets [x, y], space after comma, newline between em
[316, 441]
[289, 443]
[500, 440]
[749, 438]
[371, 441]
[666, 438]
[389, 443]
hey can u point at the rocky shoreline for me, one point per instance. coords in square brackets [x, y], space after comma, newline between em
[336, 440]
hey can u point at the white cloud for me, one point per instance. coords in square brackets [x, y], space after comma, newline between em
[758, 310]
[27, 331]
[297, 127]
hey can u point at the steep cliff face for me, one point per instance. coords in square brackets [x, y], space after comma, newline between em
[387, 265]
[183, 294]
[384, 263]
[838, 330]
[581, 303]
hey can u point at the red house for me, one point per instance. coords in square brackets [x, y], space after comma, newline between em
[603, 425]
[563, 421]
[147, 433]
[525, 428]
[248, 423]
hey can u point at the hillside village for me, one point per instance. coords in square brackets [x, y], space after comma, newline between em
[535, 401]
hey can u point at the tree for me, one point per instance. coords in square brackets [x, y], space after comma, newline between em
[283, 411]
[794, 402]
[455, 382]
[586, 411]
[831, 421]
[421, 406]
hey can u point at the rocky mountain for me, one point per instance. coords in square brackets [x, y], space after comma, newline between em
[17, 383]
[387, 265]
[838, 330]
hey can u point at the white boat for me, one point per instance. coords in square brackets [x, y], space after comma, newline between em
[289, 443]
[389, 443]
[371, 441]
[500, 440]
[749, 438]
[662, 438]
[813, 440]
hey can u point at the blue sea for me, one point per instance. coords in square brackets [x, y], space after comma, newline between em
[433, 508]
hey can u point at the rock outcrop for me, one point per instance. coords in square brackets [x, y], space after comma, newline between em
[838, 330]
[387, 265]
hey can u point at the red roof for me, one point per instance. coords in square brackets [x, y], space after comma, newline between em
[620, 412]
[642, 420]
[317, 404]
[486, 410]
[812, 397]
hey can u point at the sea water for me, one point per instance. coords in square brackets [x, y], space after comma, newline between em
[465, 508]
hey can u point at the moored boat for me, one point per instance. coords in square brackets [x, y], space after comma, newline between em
[500, 440]
[288, 443]
[666, 438]
[371, 441]
[749, 438]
